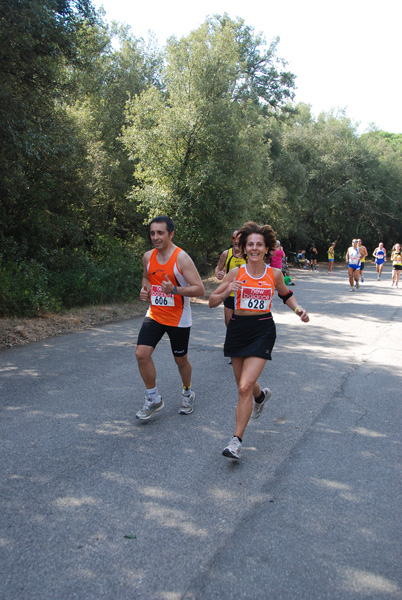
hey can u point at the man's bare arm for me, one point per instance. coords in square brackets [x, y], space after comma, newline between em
[191, 275]
[220, 267]
[145, 285]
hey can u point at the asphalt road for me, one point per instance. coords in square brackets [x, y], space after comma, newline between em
[95, 504]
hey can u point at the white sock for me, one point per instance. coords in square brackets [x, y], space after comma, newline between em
[153, 394]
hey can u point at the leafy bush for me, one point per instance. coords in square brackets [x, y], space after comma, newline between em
[110, 273]
[24, 290]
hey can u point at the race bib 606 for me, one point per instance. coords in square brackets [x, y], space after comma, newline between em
[255, 298]
[159, 298]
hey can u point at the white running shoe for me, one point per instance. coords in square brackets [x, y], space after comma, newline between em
[357, 284]
[149, 408]
[187, 404]
[258, 407]
[233, 449]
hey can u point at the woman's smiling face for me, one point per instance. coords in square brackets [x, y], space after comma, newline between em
[255, 247]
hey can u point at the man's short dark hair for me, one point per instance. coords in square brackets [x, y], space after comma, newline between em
[162, 219]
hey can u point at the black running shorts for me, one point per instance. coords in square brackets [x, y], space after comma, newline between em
[151, 333]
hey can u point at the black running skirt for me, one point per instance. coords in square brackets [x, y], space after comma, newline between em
[250, 336]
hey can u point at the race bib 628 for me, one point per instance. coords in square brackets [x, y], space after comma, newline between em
[255, 298]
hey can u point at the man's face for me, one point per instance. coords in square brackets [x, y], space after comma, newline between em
[160, 237]
[359, 242]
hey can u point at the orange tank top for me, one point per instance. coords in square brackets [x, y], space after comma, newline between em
[167, 309]
[256, 293]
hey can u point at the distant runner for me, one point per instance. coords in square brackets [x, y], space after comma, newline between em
[380, 255]
[313, 257]
[396, 258]
[363, 254]
[331, 258]
[229, 259]
[353, 258]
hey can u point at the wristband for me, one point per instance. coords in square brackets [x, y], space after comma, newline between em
[298, 308]
[174, 290]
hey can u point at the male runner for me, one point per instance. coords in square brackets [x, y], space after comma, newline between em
[313, 257]
[169, 280]
[363, 254]
[228, 260]
[353, 258]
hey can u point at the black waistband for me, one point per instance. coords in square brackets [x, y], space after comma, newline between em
[267, 315]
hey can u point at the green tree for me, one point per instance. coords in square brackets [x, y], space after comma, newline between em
[200, 147]
[45, 224]
[37, 40]
[262, 77]
[335, 184]
[383, 178]
[101, 94]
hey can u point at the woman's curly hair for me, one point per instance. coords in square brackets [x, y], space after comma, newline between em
[265, 230]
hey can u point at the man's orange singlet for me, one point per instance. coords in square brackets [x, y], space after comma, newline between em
[167, 309]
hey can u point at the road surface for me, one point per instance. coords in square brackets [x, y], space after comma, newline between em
[97, 505]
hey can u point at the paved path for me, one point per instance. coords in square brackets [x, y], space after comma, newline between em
[96, 505]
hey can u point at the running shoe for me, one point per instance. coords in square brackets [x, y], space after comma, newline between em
[351, 290]
[233, 449]
[362, 279]
[258, 407]
[357, 284]
[149, 408]
[187, 404]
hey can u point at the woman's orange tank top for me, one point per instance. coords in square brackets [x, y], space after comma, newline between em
[256, 293]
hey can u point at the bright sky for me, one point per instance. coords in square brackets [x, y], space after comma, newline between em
[346, 54]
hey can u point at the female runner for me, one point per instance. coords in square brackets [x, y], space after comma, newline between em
[250, 335]
[396, 258]
[380, 255]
